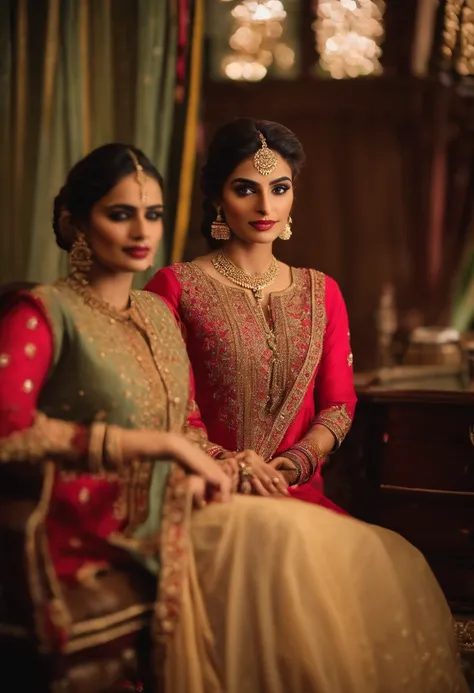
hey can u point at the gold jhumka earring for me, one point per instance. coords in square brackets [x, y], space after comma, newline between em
[140, 175]
[80, 259]
[264, 160]
[287, 233]
[220, 230]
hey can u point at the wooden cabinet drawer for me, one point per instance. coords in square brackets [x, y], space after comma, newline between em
[438, 524]
[427, 447]
[441, 526]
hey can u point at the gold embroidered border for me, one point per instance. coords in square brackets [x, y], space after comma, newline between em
[170, 363]
[204, 299]
[197, 434]
[104, 622]
[174, 540]
[235, 370]
[167, 346]
[313, 356]
[104, 637]
[45, 436]
[337, 419]
[35, 579]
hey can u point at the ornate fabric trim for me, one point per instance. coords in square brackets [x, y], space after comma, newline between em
[45, 437]
[314, 349]
[170, 364]
[174, 548]
[337, 419]
[33, 553]
[197, 434]
[103, 637]
[236, 356]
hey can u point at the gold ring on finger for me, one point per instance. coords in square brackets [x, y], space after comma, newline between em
[246, 471]
[275, 480]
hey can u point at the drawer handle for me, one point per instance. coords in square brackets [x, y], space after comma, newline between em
[471, 434]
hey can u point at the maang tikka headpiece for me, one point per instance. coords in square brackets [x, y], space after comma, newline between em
[265, 161]
[140, 175]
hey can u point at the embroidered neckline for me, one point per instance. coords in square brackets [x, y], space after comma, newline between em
[92, 299]
[233, 287]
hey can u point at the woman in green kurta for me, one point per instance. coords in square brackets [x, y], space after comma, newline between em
[274, 596]
[95, 386]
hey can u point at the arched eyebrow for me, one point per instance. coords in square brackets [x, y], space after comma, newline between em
[132, 208]
[248, 181]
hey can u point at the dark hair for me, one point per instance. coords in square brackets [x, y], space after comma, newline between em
[233, 143]
[92, 178]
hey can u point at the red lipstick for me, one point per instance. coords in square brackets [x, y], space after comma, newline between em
[263, 224]
[138, 252]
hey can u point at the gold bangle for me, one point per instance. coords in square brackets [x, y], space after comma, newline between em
[113, 447]
[96, 447]
[298, 466]
[312, 448]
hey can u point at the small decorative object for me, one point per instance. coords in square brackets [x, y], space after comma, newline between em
[434, 346]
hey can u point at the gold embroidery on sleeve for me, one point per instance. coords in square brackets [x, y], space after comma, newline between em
[44, 437]
[337, 419]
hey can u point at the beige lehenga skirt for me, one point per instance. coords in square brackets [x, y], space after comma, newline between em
[286, 597]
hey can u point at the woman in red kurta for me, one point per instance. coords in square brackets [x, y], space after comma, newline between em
[269, 344]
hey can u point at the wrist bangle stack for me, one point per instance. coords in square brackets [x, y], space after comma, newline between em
[300, 463]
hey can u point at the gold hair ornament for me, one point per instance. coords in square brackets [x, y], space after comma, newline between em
[140, 175]
[264, 160]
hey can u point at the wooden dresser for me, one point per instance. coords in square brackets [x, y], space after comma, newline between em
[408, 465]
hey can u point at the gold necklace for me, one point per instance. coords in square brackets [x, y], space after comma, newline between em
[94, 301]
[255, 282]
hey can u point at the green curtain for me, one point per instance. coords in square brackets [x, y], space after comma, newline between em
[76, 74]
[156, 77]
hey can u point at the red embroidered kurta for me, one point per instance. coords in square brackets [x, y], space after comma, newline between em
[231, 361]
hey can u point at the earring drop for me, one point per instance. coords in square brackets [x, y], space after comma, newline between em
[287, 233]
[220, 231]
